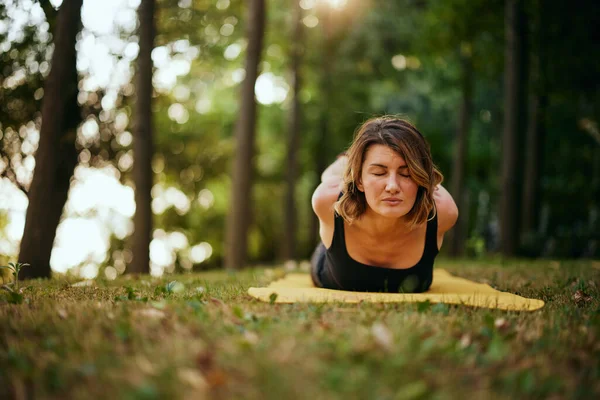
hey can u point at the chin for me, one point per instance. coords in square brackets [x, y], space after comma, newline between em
[392, 213]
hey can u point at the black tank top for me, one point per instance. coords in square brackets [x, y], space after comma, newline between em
[342, 272]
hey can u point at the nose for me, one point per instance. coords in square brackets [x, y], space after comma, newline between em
[392, 184]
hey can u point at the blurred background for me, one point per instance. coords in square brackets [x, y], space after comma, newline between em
[506, 92]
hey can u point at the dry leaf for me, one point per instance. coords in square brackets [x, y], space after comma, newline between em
[581, 297]
[250, 337]
[216, 377]
[88, 282]
[501, 324]
[382, 335]
[226, 310]
[205, 361]
[150, 313]
[285, 350]
[144, 365]
[62, 313]
[193, 378]
[465, 340]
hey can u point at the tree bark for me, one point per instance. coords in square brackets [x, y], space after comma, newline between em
[535, 130]
[513, 119]
[290, 212]
[460, 155]
[321, 149]
[56, 155]
[143, 143]
[238, 219]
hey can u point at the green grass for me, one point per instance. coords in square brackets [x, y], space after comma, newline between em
[143, 338]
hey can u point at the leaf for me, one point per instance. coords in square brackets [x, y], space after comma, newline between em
[15, 298]
[413, 390]
[501, 324]
[151, 313]
[580, 297]
[423, 306]
[238, 312]
[192, 378]
[441, 308]
[200, 290]
[497, 349]
[131, 295]
[250, 337]
[8, 288]
[159, 305]
[175, 287]
[489, 320]
[465, 340]
[272, 298]
[87, 282]
[383, 336]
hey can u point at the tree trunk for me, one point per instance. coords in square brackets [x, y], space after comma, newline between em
[535, 131]
[142, 144]
[513, 119]
[290, 212]
[238, 219]
[321, 149]
[460, 155]
[56, 155]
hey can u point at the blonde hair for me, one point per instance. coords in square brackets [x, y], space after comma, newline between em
[403, 138]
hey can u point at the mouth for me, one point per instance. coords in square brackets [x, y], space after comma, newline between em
[392, 201]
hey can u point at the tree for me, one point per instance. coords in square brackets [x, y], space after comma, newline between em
[238, 219]
[56, 156]
[142, 145]
[535, 128]
[460, 155]
[513, 111]
[290, 212]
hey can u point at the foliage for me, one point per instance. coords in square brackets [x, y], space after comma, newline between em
[14, 268]
[369, 58]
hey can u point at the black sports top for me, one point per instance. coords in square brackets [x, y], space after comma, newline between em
[340, 271]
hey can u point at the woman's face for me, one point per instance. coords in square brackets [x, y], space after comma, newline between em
[386, 182]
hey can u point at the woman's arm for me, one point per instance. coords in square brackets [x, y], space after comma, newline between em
[446, 208]
[327, 194]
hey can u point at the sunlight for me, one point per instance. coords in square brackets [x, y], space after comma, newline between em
[200, 252]
[310, 21]
[336, 3]
[399, 62]
[72, 248]
[307, 4]
[270, 89]
[206, 199]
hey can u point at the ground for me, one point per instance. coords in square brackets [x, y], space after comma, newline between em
[200, 335]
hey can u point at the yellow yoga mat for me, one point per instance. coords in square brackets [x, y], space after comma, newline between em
[446, 288]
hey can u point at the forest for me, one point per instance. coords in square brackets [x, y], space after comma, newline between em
[161, 136]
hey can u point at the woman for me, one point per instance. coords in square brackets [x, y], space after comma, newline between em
[382, 212]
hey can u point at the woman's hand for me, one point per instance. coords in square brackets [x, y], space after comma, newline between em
[335, 172]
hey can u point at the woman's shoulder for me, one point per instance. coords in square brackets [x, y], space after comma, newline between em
[447, 211]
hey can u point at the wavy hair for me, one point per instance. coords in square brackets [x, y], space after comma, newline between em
[403, 138]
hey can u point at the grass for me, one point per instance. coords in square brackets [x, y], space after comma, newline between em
[201, 336]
